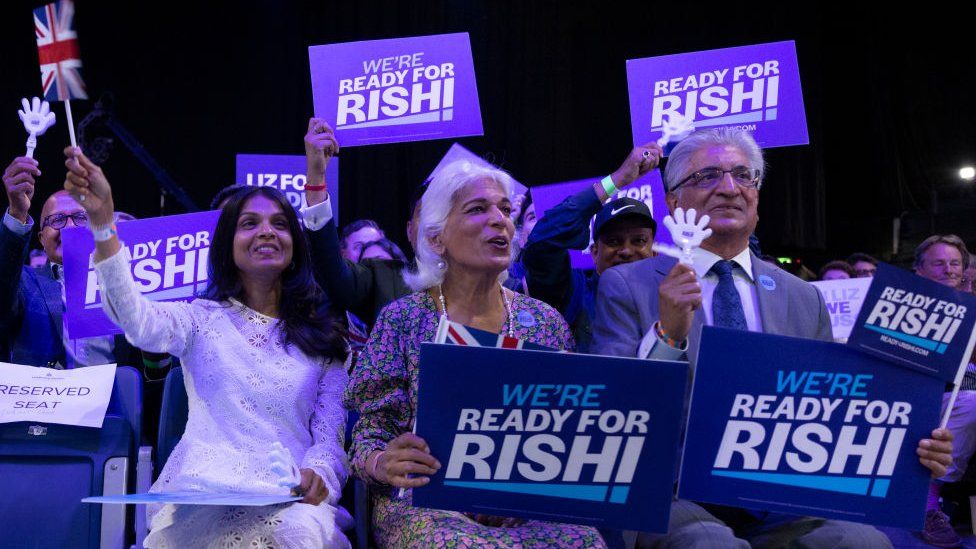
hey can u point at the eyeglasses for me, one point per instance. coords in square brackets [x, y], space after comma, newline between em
[59, 220]
[709, 178]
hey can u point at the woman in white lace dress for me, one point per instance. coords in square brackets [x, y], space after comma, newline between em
[261, 365]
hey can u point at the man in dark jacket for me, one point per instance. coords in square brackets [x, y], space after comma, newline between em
[32, 299]
[623, 231]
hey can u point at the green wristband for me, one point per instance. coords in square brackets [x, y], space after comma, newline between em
[608, 186]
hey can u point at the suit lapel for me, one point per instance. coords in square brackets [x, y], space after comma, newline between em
[51, 290]
[774, 308]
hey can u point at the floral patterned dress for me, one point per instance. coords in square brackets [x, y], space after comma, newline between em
[383, 388]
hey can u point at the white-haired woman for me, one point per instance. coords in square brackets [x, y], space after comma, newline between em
[464, 248]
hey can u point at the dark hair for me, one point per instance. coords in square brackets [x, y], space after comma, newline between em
[224, 194]
[388, 246]
[836, 265]
[859, 256]
[525, 207]
[416, 195]
[357, 225]
[301, 308]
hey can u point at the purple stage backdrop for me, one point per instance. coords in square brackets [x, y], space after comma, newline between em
[403, 89]
[169, 263]
[648, 188]
[286, 172]
[751, 87]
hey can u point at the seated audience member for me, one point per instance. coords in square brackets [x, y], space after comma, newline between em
[622, 232]
[261, 366]
[655, 309]
[464, 249]
[863, 264]
[941, 258]
[381, 249]
[37, 258]
[361, 288]
[357, 233]
[836, 270]
[32, 299]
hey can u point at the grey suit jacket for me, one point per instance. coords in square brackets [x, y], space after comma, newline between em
[627, 306]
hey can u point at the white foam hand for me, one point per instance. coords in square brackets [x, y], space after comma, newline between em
[686, 232]
[283, 465]
[676, 127]
[37, 118]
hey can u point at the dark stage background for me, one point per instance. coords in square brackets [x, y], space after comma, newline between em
[888, 99]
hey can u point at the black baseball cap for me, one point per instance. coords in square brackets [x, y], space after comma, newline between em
[622, 207]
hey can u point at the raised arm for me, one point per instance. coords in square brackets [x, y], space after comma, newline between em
[349, 285]
[151, 326]
[18, 180]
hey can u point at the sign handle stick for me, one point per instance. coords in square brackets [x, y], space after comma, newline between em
[952, 402]
[966, 357]
[71, 122]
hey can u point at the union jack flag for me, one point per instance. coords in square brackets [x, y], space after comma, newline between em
[459, 334]
[57, 50]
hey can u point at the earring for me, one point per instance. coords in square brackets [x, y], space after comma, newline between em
[441, 265]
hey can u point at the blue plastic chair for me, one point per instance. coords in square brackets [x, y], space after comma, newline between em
[172, 416]
[46, 469]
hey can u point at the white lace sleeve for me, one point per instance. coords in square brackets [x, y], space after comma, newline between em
[157, 327]
[327, 456]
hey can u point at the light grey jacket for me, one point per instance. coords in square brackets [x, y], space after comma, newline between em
[627, 306]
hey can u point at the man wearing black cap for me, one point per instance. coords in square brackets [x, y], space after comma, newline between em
[623, 231]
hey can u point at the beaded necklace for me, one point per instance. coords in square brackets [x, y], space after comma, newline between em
[509, 312]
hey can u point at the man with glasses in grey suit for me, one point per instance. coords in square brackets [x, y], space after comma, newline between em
[655, 308]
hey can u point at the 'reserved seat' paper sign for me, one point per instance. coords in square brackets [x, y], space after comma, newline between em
[67, 397]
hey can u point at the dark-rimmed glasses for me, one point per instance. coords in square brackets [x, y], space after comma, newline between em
[59, 220]
[709, 178]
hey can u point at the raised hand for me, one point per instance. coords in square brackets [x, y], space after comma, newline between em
[88, 185]
[37, 118]
[18, 180]
[640, 161]
[320, 146]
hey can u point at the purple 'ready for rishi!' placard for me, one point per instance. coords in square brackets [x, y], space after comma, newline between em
[169, 262]
[755, 88]
[396, 90]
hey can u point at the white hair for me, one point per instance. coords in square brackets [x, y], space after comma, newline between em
[435, 205]
[679, 161]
